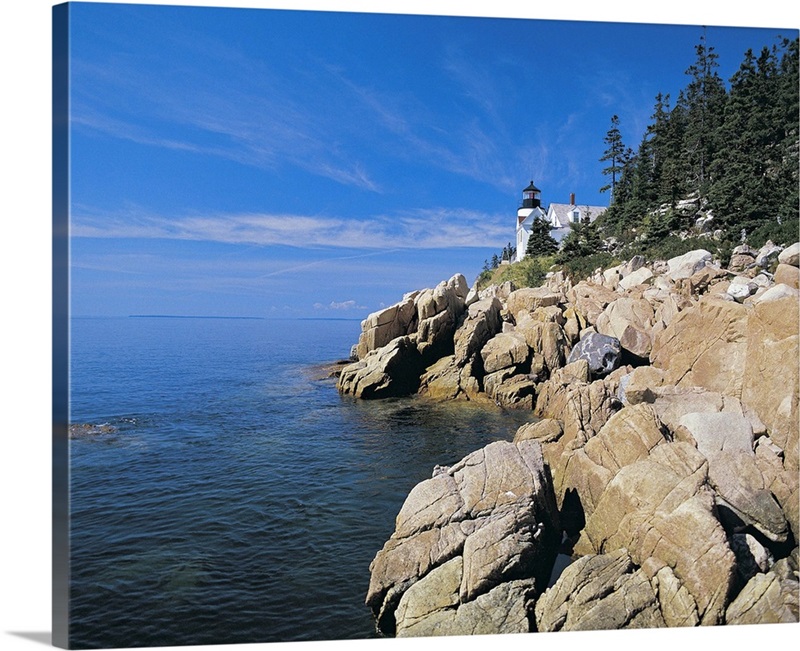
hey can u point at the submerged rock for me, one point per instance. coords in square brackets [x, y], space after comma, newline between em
[89, 430]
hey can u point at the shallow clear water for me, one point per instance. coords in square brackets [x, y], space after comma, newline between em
[240, 499]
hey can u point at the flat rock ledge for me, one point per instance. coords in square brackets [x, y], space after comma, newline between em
[661, 454]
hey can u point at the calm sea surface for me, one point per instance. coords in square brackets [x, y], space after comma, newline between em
[240, 498]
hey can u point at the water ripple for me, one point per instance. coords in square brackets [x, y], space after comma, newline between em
[240, 500]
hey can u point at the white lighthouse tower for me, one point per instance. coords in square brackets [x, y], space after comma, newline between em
[530, 209]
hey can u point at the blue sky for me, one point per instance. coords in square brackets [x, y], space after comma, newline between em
[254, 162]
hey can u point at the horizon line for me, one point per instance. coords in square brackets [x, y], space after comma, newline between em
[190, 316]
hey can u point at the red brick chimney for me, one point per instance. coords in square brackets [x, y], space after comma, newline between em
[572, 199]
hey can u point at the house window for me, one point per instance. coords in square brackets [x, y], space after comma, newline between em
[576, 216]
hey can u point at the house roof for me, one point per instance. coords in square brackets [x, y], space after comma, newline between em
[536, 213]
[563, 210]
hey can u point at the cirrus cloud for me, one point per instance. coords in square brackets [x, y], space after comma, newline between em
[419, 229]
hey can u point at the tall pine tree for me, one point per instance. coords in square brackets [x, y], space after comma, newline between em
[703, 103]
[613, 154]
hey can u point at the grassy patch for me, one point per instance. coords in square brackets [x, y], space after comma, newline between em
[530, 272]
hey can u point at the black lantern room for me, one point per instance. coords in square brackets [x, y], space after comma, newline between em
[531, 197]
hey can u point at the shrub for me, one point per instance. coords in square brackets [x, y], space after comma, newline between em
[580, 268]
[785, 233]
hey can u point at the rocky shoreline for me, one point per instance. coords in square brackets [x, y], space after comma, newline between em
[662, 452]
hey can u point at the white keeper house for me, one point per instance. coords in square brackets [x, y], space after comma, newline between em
[559, 216]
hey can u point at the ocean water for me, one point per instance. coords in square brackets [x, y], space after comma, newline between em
[237, 496]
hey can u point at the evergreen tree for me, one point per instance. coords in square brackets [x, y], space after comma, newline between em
[755, 175]
[703, 103]
[582, 240]
[623, 190]
[788, 101]
[736, 150]
[540, 242]
[737, 167]
[613, 154]
[571, 246]
[654, 151]
[591, 241]
[671, 181]
[660, 224]
[508, 252]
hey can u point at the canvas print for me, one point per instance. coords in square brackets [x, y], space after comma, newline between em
[380, 325]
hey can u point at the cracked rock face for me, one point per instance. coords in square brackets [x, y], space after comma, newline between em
[597, 592]
[704, 346]
[431, 315]
[432, 606]
[742, 496]
[660, 508]
[495, 512]
[582, 407]
[528, 299]
[388, 371]
[587, 467]
[766, 599]
[630, 321]
[677, 482]
[480, 324]
[739, 351]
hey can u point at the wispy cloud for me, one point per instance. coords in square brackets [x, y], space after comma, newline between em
[418, 229]
[477, 82]
[307, 113]
[340, 306]
[250, 114]
[473, 144]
